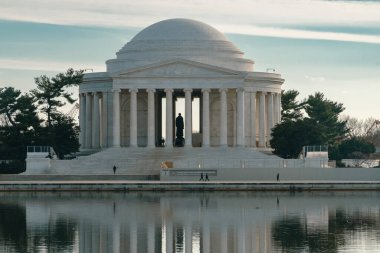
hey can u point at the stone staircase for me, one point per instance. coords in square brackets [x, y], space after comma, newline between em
[148, 161]
[87, 152]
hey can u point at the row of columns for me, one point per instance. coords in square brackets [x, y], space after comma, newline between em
[133, 118]
[93, 127]
[268, 114]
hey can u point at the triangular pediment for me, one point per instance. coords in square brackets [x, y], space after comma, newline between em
[178, 68]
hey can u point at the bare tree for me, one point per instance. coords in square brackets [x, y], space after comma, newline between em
[368, 128]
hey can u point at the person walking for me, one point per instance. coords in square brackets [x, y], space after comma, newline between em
[114, 169]
[201, 179]
[207, 177]
[278, 177]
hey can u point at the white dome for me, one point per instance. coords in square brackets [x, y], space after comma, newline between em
[179, 29]
[179, 39]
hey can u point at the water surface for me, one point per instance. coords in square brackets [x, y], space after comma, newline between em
[190, 222]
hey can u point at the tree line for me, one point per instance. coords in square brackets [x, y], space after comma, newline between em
[33, 118]
[317, 120]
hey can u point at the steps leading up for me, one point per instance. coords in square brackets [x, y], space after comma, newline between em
[148, 161]
[87, 152]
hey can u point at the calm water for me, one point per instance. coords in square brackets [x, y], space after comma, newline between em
[190, 222]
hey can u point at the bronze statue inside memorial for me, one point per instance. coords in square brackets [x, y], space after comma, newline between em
[179, 141]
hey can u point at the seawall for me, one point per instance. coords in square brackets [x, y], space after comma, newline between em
[135, 185]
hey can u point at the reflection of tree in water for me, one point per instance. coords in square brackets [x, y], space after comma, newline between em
[288, 233]
[13, 226]
[343, 222]
[58, 236]
[292, 235]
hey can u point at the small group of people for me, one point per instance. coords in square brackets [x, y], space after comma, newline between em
[205, 178]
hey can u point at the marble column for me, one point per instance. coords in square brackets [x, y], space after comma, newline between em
[279, 107]
[240, 133]
[275, 109]
[223, 117]
[253, 119]
[270, 116]
[188, 120]
[88, 120]
[82, 120]
[133, 118]
[104, 125]
[169, 118]
[116, 118]
[262, 120]
[151, 120]
[206, 118]
[96, 122]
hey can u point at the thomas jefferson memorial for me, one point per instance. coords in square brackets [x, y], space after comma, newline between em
[133, 103]
[129, 121]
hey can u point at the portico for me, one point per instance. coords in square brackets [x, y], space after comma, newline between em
[96, 134]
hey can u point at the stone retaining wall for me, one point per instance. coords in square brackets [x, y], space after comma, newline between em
[285, 174]
[185, 186]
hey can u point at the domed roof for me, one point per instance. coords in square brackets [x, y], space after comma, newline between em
[180, 29]
[179, 39]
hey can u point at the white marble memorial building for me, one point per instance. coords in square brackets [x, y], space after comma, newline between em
[178, 66]
[179, 58]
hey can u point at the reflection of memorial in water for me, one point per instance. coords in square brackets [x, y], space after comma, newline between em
[187, 222]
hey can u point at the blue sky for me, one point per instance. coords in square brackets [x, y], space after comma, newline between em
[327, 46]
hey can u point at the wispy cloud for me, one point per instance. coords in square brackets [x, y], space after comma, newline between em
[45, 65]
[299, 33]
[315, 78]
[144, 12]
[267, 11]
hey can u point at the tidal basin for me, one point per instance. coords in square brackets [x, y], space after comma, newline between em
[237, 221]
